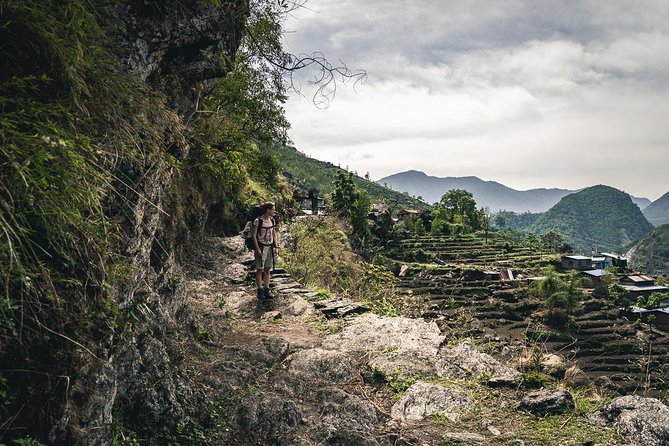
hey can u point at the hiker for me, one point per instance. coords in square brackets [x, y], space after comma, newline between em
[265, 248]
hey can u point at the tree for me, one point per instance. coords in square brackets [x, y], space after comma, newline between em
[344, 193]
[353, 203]
[551, 241]
[458, 207]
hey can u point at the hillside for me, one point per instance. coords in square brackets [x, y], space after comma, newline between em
[491, 194]
[310, 173]
[651, 253]
[658, 211]
[599, 215]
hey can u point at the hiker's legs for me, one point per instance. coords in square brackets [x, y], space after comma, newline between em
[259, 277]
[266, 276]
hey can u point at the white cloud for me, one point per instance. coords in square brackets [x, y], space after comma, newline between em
[530, 94]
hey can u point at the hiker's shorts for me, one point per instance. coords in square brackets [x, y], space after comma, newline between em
[267, 259]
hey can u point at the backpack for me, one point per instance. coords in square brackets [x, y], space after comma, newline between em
[247, 233]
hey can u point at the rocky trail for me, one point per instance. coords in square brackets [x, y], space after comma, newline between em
[329, 372]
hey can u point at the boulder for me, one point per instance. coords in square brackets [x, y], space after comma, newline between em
[423, 399]
[644, 421]
[575, 377]
[372, 333]
[266, 415]
[327, 365]
[553, 365]
[345, 410]
[544, 401]
[465, 362]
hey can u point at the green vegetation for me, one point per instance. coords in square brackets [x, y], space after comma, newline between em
[496, 408]
[599, 215]
[308, 173]
[651, 253]
[512, 220]
[353, 203]
[652, 301]
[560, 296]
[456, 213]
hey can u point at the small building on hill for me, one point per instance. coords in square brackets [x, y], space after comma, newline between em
[641, 285]
[615, 260]
[578, 262]
[637, 280]
[404, 213]
[601, 262]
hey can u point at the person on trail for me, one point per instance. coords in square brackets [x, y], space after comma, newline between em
[265, 243]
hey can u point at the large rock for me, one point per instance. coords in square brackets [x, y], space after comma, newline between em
[644, 421]
[423, 399]
[265, 416]
[544, 401]
[372, 333]
[394, 344]
[328, 365]
[465, 362]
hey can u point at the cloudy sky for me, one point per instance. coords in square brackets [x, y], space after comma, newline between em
[530, 93]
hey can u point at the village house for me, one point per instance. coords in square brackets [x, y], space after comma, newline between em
[579, 262]
[641, 285]
[404, 213]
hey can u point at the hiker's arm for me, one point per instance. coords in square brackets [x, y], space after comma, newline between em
[255, 237]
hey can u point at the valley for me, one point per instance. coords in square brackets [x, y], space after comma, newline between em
[460, 288]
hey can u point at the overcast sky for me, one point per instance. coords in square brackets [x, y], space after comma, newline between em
[525, 92]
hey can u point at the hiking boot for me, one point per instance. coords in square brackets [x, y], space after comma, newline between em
[267, 293]
[260, 294]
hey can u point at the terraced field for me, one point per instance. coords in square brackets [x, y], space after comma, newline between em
[614, 352]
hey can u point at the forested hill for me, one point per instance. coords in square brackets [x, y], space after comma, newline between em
[651, 253]
[600, 215]
[658, 211]
[307, 173]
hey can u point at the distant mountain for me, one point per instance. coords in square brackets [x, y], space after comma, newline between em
[308, 173]
[599, 215]
[651, 253]
[489, 194]
[658, 211]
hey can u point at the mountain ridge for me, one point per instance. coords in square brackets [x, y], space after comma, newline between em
[658, 211]
[487, 193]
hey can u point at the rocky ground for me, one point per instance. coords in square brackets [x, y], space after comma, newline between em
[305, 371]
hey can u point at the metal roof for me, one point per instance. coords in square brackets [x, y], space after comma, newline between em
[595, 272]
[645, 288]
[578, 257]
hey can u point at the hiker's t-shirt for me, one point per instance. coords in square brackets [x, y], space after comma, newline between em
[265, 231]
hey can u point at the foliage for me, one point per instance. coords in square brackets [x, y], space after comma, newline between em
[651, 253]
[621, 297]
[652, 301]
[560, 296]
[514, 220]
[353, 203]
[553, 242]
[456, 213]
[599, 215]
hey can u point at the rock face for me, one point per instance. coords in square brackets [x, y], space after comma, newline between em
[176, 44]
[644, 421]
[327, 365]
[422, 400]
[543, 402]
